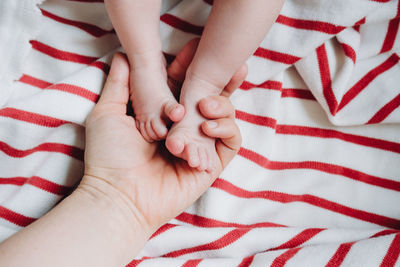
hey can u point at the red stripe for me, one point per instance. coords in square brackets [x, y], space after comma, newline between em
[318, 132]
[308, 199]
[68, 88]
[38, 182]
[340, 254]
[326, 81]
[282, 259]
[18, 181]
[222, 242]
[182, 25]
[163, 229]
[367, 79]
[101, 65]
[68, 150]
[135, 263]
[299, 239]
[34, 81]
[391, 34]
[255, 119]
[62, 55]
[320, 166]
[30, 117]
[272, 85]
[328, 133]
[385, 111]
[358, 24]
[246, 262]
[393, 253]
[15, 218]
[312, 25]
[201, 221]
[276, 56]
[385, 232]
[89, 28]
[76, 90]
[275, 85]
[192, 263]
[49, 186]
[68, 56]
[349, 52]
[297, 93]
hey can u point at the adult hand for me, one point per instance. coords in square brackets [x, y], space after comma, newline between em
[155, 185]
[130, 187]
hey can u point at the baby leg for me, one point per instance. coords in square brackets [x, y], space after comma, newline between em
[234, 30]
[137, 25]
[153, 103]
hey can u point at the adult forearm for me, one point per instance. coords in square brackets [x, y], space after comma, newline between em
[94, 226]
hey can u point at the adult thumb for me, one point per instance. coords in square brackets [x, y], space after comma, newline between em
[116, 88]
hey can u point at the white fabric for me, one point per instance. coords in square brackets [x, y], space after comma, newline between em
[311, 177]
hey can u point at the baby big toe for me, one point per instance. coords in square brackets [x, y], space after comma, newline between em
[174, 111]
[174, 145]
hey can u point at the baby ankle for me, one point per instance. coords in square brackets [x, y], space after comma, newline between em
[210, 86]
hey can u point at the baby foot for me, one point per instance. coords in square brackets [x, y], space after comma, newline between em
[153, 103]
[185, 139]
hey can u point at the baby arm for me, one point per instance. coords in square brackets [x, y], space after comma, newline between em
[137, 24]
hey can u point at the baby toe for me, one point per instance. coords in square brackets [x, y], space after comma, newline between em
[159, 128]
[174, 111]
[192, 156]
[143, 131]
[150, 131]
[137, 125]
[175, 145]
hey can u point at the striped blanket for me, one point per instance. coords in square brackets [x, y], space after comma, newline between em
[317, 180]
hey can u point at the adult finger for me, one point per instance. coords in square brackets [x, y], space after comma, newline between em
[177, 70]
[228, 137]
[236, 81]
[215, 107]
[178, 67]
[116, 88]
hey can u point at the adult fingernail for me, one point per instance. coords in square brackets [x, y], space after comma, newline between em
[212, 124]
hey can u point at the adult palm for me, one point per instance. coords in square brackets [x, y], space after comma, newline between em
[158, 185]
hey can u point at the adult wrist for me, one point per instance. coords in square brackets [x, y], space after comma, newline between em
[116, 207]
[93, 226]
